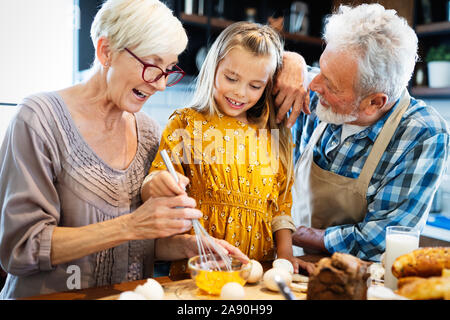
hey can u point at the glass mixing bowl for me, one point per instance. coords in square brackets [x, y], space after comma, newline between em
[211, 280]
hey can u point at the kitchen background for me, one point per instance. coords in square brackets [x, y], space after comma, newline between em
[46, 46]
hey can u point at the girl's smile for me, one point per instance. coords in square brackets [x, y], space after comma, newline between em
[235, 104]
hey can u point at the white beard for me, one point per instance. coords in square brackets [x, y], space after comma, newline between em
[329, 116]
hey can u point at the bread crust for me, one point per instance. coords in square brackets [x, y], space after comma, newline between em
[341, 277]
[405, 280]
[426, 289]
[424, 262]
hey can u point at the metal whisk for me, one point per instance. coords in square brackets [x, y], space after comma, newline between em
[208, 250]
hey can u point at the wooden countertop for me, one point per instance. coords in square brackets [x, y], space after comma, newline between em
[104, 292]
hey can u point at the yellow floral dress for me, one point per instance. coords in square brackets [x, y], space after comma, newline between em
[232, 177]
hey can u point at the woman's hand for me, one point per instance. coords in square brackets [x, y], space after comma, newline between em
[290, 90]
[162, 217]
[155, 218]
[162, 184]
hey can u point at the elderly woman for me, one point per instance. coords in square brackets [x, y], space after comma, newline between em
[73, 161]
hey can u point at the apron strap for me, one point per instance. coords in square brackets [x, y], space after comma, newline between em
[383, 140]
[317, 133]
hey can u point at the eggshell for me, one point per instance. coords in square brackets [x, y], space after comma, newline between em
[232, 291]
[269, 281]
[284, 264]
[131, 295]
[256, 272]
[151, 290]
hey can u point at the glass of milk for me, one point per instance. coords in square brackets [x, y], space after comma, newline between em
[399, 241]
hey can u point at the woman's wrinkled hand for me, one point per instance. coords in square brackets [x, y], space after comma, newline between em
[162, 217]
[162, 184]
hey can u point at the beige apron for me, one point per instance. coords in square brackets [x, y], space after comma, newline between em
[323, 198]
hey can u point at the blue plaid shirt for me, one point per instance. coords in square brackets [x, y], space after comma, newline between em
[404, 183]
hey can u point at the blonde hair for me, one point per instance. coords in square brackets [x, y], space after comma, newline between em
[147, 26]
[260, 40]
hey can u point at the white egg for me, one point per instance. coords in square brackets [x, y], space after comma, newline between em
[232, 291]
[151, 290]
[131, 295]
[283, 264]
[269, 281]
[256, 271]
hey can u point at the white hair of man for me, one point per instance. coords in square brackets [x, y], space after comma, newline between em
[384, 44]
[146, 26]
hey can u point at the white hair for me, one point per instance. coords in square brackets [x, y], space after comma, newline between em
[147, 26]
[384, 44]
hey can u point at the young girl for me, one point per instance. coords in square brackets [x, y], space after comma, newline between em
[238, 160]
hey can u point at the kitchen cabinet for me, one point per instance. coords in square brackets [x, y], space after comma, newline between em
[207, 18]
[85, 51]
[204, 21]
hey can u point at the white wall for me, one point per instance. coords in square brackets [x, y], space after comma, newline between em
[161, 105]
[6, 113]
[36, 40]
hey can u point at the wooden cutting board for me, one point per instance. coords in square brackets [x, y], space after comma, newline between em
[187, 290]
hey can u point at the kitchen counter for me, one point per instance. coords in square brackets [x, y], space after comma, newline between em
[112, 291]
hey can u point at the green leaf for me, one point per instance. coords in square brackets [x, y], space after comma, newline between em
[440, 53]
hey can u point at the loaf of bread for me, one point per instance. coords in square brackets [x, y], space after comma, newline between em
[426, 289]
[424, 262]
[405, 280]
[341, 277]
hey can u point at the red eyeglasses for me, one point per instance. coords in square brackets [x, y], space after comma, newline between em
[152, 73]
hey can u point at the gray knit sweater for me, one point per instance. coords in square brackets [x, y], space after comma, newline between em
[51, 177]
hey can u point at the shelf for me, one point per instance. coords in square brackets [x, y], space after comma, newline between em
[194, 19]
[426, 92]
[433, 28]
[302, 38]
[219, 23]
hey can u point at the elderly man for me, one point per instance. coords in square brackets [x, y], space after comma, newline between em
[368, 155]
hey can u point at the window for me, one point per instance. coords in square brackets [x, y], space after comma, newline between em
[37, 38]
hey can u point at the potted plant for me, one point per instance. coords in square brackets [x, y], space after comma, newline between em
[438, 62]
